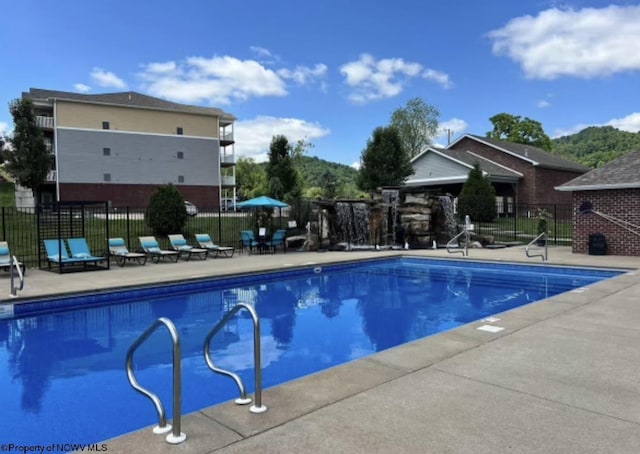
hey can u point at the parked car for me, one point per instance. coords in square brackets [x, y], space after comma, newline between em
[192, 210]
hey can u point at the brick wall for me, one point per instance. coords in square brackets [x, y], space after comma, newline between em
[622, 204]
[134, 195]
[536, 185]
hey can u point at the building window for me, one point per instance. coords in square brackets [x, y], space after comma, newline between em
[179, 130]
[181, 155]
[106, 152]
[107, 177]
[105, 125]
[180, 179]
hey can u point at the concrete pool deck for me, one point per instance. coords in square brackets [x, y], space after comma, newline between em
[563, 376]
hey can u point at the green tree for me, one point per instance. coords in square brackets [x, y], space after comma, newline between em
[166, 212]
[477, 197]
[27, 157]
[251, 178]
[330, 180]
[285, 182]
[513, 128]
[417, 124]
[384, 162]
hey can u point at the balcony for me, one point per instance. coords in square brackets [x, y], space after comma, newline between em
[226, 138]
[52, 176]
[44, 122]
[228, 180]
[227, 159]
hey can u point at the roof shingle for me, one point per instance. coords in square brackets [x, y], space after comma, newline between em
[622, 173]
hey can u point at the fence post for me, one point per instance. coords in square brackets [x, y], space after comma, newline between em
[127, 228]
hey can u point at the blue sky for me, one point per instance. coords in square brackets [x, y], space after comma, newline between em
[331, 71]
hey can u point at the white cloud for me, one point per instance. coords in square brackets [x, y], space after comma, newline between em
[451, 128]
[543, 104]
[586, 43]
[253, 137]
[303, 74]
[373, 79]
[356, 165]
[438, 77]
[82, 88]
[107, 79]
[4, 128]
[630, 123]
[261, 52]
[217, 80]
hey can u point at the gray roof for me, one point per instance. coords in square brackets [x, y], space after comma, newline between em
[535, 156]
[486, 165]
[623, 173]
[127, 98]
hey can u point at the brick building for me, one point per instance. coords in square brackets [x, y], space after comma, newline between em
[521, 174]
[606, 201]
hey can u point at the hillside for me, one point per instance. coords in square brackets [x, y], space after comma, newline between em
[313, 168]
[596, 145]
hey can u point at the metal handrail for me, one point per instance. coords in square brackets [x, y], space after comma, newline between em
[465, 251]
[545, 254]
[16, 265]
[257, 407]
[176, 436]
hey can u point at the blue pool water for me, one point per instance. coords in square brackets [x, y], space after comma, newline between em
[62, 361]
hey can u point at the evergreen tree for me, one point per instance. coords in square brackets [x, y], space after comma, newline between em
[284, 179]
[166, 212]
[385, 161]
[27, 157]
[477, 198]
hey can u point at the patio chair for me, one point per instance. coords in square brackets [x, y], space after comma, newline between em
[178, 243]
[205, 242]
[120, 253]
[249, 240]
[57, 253]
[5, 258]
[277, 240]
[151, 247]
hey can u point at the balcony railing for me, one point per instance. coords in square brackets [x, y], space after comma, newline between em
[228, 180]
[226, 137]
[52, 175]
[44, 122]
[227, 159]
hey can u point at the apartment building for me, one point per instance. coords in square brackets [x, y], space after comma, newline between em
[120, 147]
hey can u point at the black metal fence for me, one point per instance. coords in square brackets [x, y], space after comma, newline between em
[25, 229]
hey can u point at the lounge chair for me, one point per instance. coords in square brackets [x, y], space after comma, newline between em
[249, 240]
[151, 247]
[277, 240]
[57, 253]
[178, 243]
[6, 258]
[120, 253]
[205, 242]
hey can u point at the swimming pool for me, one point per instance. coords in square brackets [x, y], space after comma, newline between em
[62, 361]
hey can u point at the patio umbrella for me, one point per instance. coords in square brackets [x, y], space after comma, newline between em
[262, 202]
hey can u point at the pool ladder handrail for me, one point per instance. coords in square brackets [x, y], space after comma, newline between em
[465, 231]
[545, 254]
[176, 436]
[257, 407]
[16, 265]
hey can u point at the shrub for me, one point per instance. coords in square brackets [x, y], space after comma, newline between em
[166, 212]
[477, 198]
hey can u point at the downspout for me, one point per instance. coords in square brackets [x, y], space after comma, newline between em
[55, 151]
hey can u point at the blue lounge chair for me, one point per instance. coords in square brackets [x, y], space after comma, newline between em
[57, 253]
[249, 240]
[178, 243]
[205, 242]
[151, 247]
[118, 250]
[5, 258]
